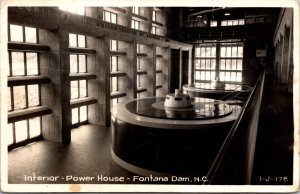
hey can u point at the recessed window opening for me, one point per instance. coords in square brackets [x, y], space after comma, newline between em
[109, 17]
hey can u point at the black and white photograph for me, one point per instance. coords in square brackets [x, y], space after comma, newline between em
[150, 96]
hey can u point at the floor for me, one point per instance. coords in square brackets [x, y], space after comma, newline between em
[89, 152]
[87, 155]
[273, 162]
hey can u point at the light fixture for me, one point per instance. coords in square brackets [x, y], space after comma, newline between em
[227, 14]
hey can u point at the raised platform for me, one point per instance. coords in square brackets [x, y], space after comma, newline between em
[209, 90]
[150, 139]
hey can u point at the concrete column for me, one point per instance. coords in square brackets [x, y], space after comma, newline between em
[56, 95]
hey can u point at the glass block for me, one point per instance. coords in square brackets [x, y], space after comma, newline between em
[32, 63]
[72, 40]
[17, 61]
[34, 127]
[75, 116]
[21, 130]
[73, 64]
[30, 35]
[81, 41]
[10, 137]
[19, 97]
[83, 113]
[82, 63]
[33, 95]
[82, 88]
[16, 33]
[74, 89]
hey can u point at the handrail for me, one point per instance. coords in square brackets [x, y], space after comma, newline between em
[233, 164]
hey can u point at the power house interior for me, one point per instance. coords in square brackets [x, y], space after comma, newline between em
[150, 91]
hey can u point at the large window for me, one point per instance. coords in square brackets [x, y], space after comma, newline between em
[135, 24]
[205, 62]
[136, 10]
[23, 64]
[109, 17]
[78, 88]
[233, 22]
[229, 62]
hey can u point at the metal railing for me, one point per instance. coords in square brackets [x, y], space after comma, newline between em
[234, 162]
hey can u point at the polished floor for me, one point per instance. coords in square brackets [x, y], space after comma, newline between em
[89, 152]
[273, 162]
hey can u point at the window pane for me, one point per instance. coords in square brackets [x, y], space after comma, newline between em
[74, 89]
[213, 64]
[30, 35]
[72, 40]
[82, 87]
[107, 16]
[202, 66]
[197, 65]
[239, 76]
[197, 51]
[32, 63]
[83, 113]
[19, 97]
[207, 75]
[222, 76]
[224, 23]
[17, 63]
[114, 64]
[82, 63]
[73, 64]
[233, 76]
[9, 108]
[114, 84]
[208, 52]
[229, 23]
[233, 65]
[222, 64]
[81, 41]
[213, 75]
[239, 64]
[223, 51]
[10, 138]
[227, 76]
[202, 75]
[228, 64]
[34, 127]
[33, 95]
[74, 115]
[240, 51]
[234, 51]
[113, 18]
[21, 130]
[113, 45]
[235, 22]
[16, 33]
[213, 52]
[197, 75]
[228, 52]
[202, 52]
